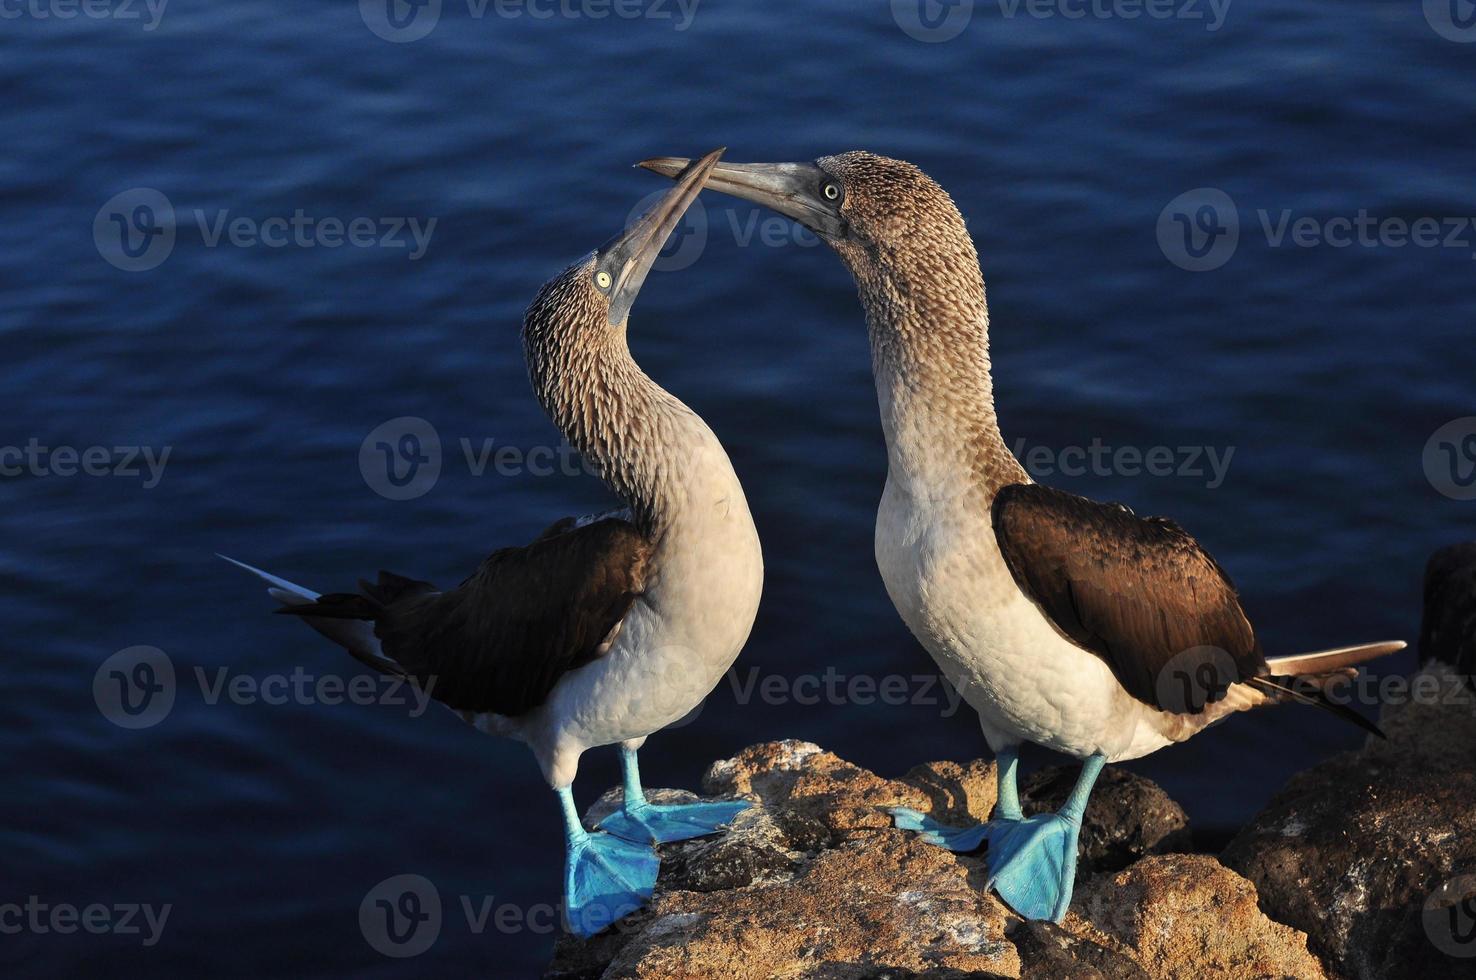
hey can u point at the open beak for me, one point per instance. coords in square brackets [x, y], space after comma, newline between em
[792, 189]
[629, 257]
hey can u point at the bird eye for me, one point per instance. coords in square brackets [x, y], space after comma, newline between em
[602, 279]
[831, 191]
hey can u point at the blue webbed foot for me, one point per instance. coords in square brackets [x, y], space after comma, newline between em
[651, 823]
[957, 839]
[1032, 864]
[605, 879]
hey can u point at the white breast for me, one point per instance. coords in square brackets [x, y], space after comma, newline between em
[678, 640]
[946, 576]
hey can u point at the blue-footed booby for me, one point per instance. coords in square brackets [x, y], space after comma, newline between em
[605, 629]
[1065, 622]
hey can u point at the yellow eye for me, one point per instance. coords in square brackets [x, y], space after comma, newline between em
[603, 280]
[831, 192]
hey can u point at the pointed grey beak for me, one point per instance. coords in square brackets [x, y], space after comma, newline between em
[629, 257]
[795, 190]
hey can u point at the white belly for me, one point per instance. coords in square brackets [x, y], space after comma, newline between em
[944, 572]
[676, 643]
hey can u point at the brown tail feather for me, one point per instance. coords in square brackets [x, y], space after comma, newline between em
[1307, 690]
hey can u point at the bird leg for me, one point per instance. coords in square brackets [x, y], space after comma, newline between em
[963, 839]
[1032, 863]
[605, 878]
[653, 823]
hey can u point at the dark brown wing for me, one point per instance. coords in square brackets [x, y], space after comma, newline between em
[501, 640]
[1139, 593]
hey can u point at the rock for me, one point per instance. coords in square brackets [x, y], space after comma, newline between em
[805, 785]
[894, 902]
[1430, 719]
[814, 883]
[1049, 952]
[1187, 917]
[1448, 633]
[1369, 852]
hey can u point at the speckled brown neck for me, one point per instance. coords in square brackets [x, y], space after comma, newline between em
[929, 325]
[633, 432]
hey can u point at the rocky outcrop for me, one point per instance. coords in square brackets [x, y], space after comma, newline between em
[1448, 630]
[814, 882]
[1373, 853]
[1362, 868]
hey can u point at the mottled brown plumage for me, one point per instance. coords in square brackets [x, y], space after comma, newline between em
[625, 425]
[918, 277]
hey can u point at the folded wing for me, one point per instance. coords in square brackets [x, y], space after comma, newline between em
[501, 640]
[1139, 593]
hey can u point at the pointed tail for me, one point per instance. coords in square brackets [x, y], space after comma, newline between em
[355, 636]
[1306, 677]
[1333, 661]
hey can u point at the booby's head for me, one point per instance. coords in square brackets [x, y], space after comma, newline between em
[886, 218]
[594, 296]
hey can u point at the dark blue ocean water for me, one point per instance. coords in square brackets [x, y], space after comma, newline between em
[262, 370]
